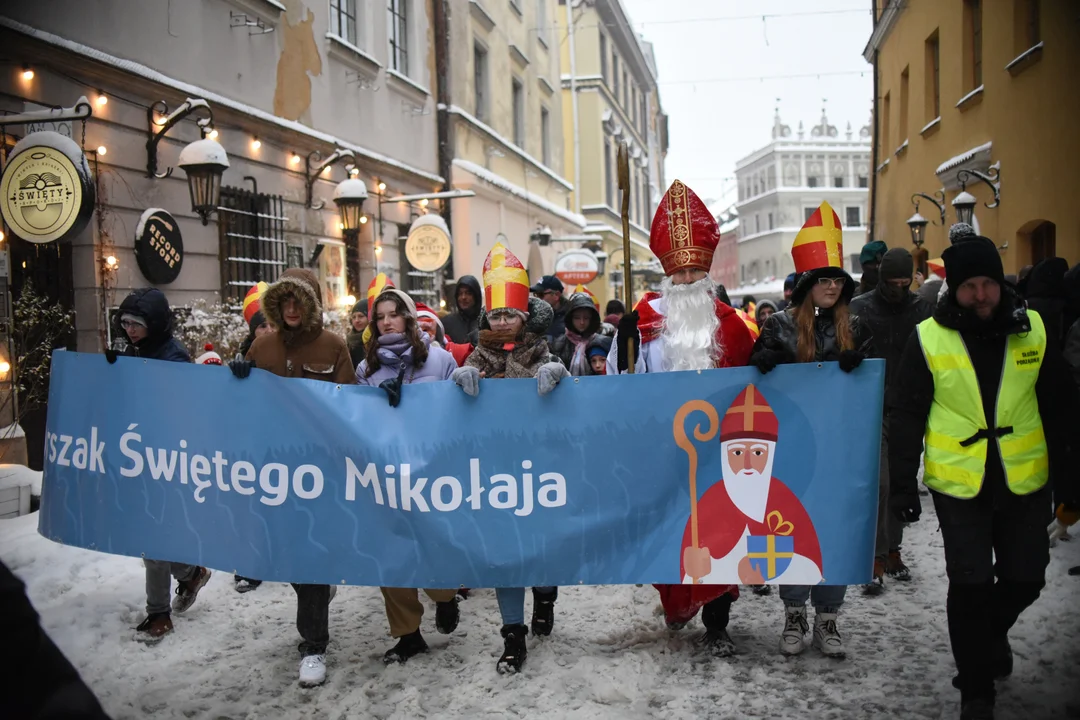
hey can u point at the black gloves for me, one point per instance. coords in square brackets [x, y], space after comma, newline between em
[767, 360]
[850, 359]
[628, 333]
[110, 355]
[906, 507]
[240, 367]
[392, 388]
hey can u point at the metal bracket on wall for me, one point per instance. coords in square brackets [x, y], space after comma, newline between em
[254, 25]
[158, 129]
[992, 178]
[81, 110]
[938, 198]
[315, 167]
[362, 81]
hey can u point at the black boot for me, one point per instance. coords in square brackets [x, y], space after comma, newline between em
[543, 619]
[1002, 658]
[514, 650]
[977, 708]
[407, 647]
[714, 616]
[447, 616]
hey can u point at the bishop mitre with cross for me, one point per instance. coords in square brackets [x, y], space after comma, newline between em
[747, 522]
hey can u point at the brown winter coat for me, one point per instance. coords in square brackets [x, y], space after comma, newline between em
[309, 351]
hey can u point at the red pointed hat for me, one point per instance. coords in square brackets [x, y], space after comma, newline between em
[750, 417]
[684, 233]
[820, 242]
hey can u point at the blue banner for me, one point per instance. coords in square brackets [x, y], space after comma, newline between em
[304, 481]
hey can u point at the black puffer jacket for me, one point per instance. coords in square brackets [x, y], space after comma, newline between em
[462, 325]
[562, 347]
[1046, 296]
[986, 345]
[558, 321]
[891, 324]
[159, 344]
[780, 335]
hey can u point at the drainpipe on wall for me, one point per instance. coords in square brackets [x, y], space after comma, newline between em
[574, 105]
[442, 118]
[874, 143]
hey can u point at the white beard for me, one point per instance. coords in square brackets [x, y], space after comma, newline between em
[749, 490]
[690, 324]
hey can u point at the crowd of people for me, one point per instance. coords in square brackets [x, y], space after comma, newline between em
[981, 371]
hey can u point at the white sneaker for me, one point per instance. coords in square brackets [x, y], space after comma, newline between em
[313, 670]
[792, 640]
[826, 637]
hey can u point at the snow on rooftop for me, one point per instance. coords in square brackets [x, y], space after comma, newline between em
[963, 157]
[212, 97]
[502, 183]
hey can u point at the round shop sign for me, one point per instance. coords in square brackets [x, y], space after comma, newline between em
[46, 192]
[159, 249]
[575, 267]
[428, 246]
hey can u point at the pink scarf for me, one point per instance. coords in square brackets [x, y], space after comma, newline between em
[579, 366]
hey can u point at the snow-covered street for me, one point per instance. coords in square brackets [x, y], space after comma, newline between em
[234, 656]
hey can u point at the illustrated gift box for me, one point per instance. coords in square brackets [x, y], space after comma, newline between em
[770, 555]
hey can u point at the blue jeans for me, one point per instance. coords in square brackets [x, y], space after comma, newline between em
[826, 598]
[512, 603]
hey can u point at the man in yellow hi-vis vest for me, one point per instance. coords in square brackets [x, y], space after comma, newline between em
[994, 410]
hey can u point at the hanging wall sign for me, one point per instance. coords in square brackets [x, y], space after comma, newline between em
[575, 267]
[428, 246]
[159, 249]
[46, 192]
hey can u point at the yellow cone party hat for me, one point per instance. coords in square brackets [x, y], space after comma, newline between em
[506, 284]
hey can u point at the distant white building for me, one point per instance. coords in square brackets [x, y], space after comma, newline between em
[782, 184]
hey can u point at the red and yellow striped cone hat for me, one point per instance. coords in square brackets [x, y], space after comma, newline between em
[586, 291]
[375, 289]
[253, 300]
[818, 252]
[820, 242]
[506, 284]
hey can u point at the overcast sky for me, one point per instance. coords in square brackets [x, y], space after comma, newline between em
[718, 115]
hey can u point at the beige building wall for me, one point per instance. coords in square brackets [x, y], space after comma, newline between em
[1026, 111]
[614, 79]
[503, 148]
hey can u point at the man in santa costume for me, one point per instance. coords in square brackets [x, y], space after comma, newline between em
[685, 327]
[751, 526]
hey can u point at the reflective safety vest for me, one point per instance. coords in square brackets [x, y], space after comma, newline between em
[956, 431]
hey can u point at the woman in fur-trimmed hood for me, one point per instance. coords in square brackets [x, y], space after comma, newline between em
[300, 346]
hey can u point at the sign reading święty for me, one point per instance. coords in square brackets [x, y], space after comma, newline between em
[46, 192]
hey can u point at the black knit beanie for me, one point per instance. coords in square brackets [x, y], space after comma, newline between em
[977, 257]
[896, 264]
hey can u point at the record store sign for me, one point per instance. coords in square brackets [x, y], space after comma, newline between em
[46, 192]
[159, 249]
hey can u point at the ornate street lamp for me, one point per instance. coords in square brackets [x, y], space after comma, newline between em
[204, 161]
[349, 196]
[917, 224]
